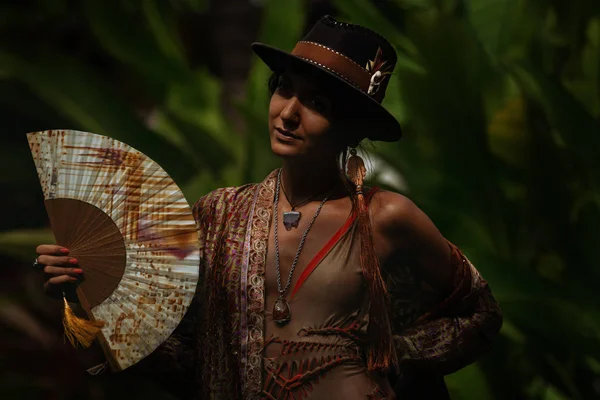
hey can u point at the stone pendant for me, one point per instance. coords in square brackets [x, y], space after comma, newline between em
[291, 219]
[281, 311]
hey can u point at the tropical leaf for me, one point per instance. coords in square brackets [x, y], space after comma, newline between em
[126, 36]
[22, 243]
[162, 24]
[155, 52]
[82, 96]
[577, 128]
[506, 28]
[469, 383]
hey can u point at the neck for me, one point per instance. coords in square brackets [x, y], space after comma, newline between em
[302, 180]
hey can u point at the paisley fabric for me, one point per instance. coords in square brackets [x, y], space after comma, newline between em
[217, 351]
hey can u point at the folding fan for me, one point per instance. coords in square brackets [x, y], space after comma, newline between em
[132, 231]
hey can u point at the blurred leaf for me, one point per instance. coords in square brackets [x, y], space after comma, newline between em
[78, 93]
[124, 35]
[197, 102]
[164, 31]
[577, 128]
[565, 377]
[512, 332]
[198, 5]
[199, 185]
[194, 96]
[508, 133]
[506, 28]
[492, 21]
[22, 243]
[560, 321]
[552, 394]
[469, 383]
[585, 85]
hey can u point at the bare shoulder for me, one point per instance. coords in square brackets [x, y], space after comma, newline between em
[405, 233]
[394, 212]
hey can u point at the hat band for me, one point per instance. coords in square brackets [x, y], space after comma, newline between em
[335, 62]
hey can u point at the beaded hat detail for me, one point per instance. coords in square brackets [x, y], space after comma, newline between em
[358, 60]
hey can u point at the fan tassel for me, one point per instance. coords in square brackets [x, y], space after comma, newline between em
[79, 331]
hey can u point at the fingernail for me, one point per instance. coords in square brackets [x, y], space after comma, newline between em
[63, 250]
[73, 261]
[78, 271]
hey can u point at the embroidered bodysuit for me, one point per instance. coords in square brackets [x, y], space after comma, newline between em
[317, 355]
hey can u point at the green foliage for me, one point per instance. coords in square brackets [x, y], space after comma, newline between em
[501, 150]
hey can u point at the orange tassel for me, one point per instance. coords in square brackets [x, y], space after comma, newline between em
[380, 349]
[79, 331]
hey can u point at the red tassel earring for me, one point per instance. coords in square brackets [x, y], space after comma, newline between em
[380, 349]
[356, 170]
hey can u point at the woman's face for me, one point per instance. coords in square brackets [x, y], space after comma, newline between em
[300, 120]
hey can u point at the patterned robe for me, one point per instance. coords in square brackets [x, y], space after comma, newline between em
[217, 350]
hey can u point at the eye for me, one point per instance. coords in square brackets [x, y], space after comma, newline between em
[320, 104]
[284, 85]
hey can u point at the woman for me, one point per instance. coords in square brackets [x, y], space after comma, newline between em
[297, 270]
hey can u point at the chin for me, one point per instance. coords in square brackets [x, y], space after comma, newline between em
[284, 150]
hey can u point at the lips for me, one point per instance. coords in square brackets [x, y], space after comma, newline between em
[287, 133]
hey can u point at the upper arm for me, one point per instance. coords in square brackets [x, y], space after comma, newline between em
[406, 235]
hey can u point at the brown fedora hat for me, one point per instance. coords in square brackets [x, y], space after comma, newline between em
[356, 59]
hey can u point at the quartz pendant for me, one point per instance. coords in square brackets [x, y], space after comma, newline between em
[281, 311]
[291, 219]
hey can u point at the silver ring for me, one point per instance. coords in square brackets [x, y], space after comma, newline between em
[37, 265]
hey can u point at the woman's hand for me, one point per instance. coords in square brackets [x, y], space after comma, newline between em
[59, 268]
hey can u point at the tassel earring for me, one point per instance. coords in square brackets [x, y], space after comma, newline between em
[380, 349]
[356, 170]
[79, 331]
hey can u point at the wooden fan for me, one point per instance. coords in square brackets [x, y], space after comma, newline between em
[132, 231]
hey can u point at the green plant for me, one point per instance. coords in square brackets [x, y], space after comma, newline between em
[501, 149]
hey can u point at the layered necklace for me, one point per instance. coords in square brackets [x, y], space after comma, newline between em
[292, 218]
[281, 308]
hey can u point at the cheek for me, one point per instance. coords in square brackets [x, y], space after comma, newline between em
[316, 126]
[275, 106]
[319, 132]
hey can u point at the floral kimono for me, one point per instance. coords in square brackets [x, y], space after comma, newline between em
[218, 349]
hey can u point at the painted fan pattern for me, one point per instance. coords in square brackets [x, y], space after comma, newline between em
[132, 231]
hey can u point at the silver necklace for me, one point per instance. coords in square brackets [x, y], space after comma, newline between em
[291, 219]
[281, 308]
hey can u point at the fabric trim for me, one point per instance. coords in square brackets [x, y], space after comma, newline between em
[244, 294]
[260, 223]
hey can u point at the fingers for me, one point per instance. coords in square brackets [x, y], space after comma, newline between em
[57, 280]
[59, 271]
[59, 268]
[51, 249]
[54, 287]
[57, 260]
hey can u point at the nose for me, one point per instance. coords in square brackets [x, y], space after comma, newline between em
[290, 113]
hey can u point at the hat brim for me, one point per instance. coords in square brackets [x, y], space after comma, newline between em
[383, 125]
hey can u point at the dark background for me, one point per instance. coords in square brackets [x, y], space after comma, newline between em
[500, 103]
